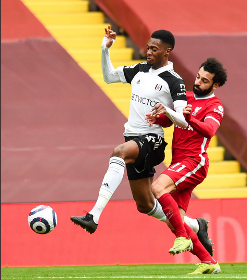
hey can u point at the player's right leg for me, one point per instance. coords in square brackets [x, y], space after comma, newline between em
[205, 268]
[208, 265]
[124, 153]
[111, 181]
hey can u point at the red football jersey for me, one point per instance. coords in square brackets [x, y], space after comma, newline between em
[189, 143]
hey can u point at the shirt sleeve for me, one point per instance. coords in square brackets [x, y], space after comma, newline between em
[178, 90]
[211, 122]
[216, 112]
[177, 116]
[110, 74]
[132, 70]
[207, 128]
[178, 95]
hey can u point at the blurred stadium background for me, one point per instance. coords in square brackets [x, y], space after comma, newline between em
[60, 123]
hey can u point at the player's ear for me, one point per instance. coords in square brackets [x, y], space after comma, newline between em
[215, 85]
[168, 51]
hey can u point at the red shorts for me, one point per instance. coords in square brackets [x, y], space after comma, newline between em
[186, 175]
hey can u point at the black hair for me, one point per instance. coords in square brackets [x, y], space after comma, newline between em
[213, 66]
[165, 36]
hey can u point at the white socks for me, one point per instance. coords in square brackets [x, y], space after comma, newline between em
[192, 223]
[157, 211]
[110, 183]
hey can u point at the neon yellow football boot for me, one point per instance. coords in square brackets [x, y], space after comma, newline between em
[181, 244]
[204, 268]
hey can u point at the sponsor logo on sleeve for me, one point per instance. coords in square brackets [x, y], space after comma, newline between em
[219, 110]
[182, 90]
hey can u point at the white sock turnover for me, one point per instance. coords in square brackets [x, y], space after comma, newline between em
[157, 211]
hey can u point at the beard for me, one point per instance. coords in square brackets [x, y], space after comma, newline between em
[200, 92]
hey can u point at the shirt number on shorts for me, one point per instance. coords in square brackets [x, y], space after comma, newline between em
[176, 167]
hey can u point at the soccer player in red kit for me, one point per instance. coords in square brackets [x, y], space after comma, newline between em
[190, 162]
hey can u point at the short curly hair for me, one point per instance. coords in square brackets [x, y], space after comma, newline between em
[213, 66]
[165, 36]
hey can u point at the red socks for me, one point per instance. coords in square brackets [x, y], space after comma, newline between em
[172, 213]
[181, 229]
[198, 249]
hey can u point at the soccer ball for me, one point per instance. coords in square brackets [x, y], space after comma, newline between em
[42, 219]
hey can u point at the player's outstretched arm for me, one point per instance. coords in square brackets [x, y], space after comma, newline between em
[206, 128]
[110, 74]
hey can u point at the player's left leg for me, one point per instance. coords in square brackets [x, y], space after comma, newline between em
[145, 201]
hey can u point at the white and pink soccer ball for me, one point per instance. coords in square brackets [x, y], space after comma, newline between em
[42, 219]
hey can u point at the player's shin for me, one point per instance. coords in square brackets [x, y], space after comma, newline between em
[171, 210]
[110, 183]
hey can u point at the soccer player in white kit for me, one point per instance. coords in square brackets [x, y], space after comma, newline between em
[153, 82]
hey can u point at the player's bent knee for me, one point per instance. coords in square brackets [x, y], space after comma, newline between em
[118, 151]
[158, 189]
[162, 185]
[155, 188]
[127, 151]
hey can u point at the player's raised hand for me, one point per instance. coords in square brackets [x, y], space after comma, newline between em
[111, 35]
[158, 109]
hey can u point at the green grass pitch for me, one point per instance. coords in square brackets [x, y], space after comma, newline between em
[125, 272]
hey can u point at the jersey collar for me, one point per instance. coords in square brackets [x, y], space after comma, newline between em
[167, 67]
[204, 97]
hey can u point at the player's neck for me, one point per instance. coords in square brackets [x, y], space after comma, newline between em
[155, 67]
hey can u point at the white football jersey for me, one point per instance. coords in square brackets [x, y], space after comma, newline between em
[149, 87]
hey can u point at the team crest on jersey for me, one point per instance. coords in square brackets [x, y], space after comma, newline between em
[196, 111]
[219, 111]
[158, 87]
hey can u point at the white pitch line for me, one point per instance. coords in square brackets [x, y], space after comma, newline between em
[133, 277]
[144, 277]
